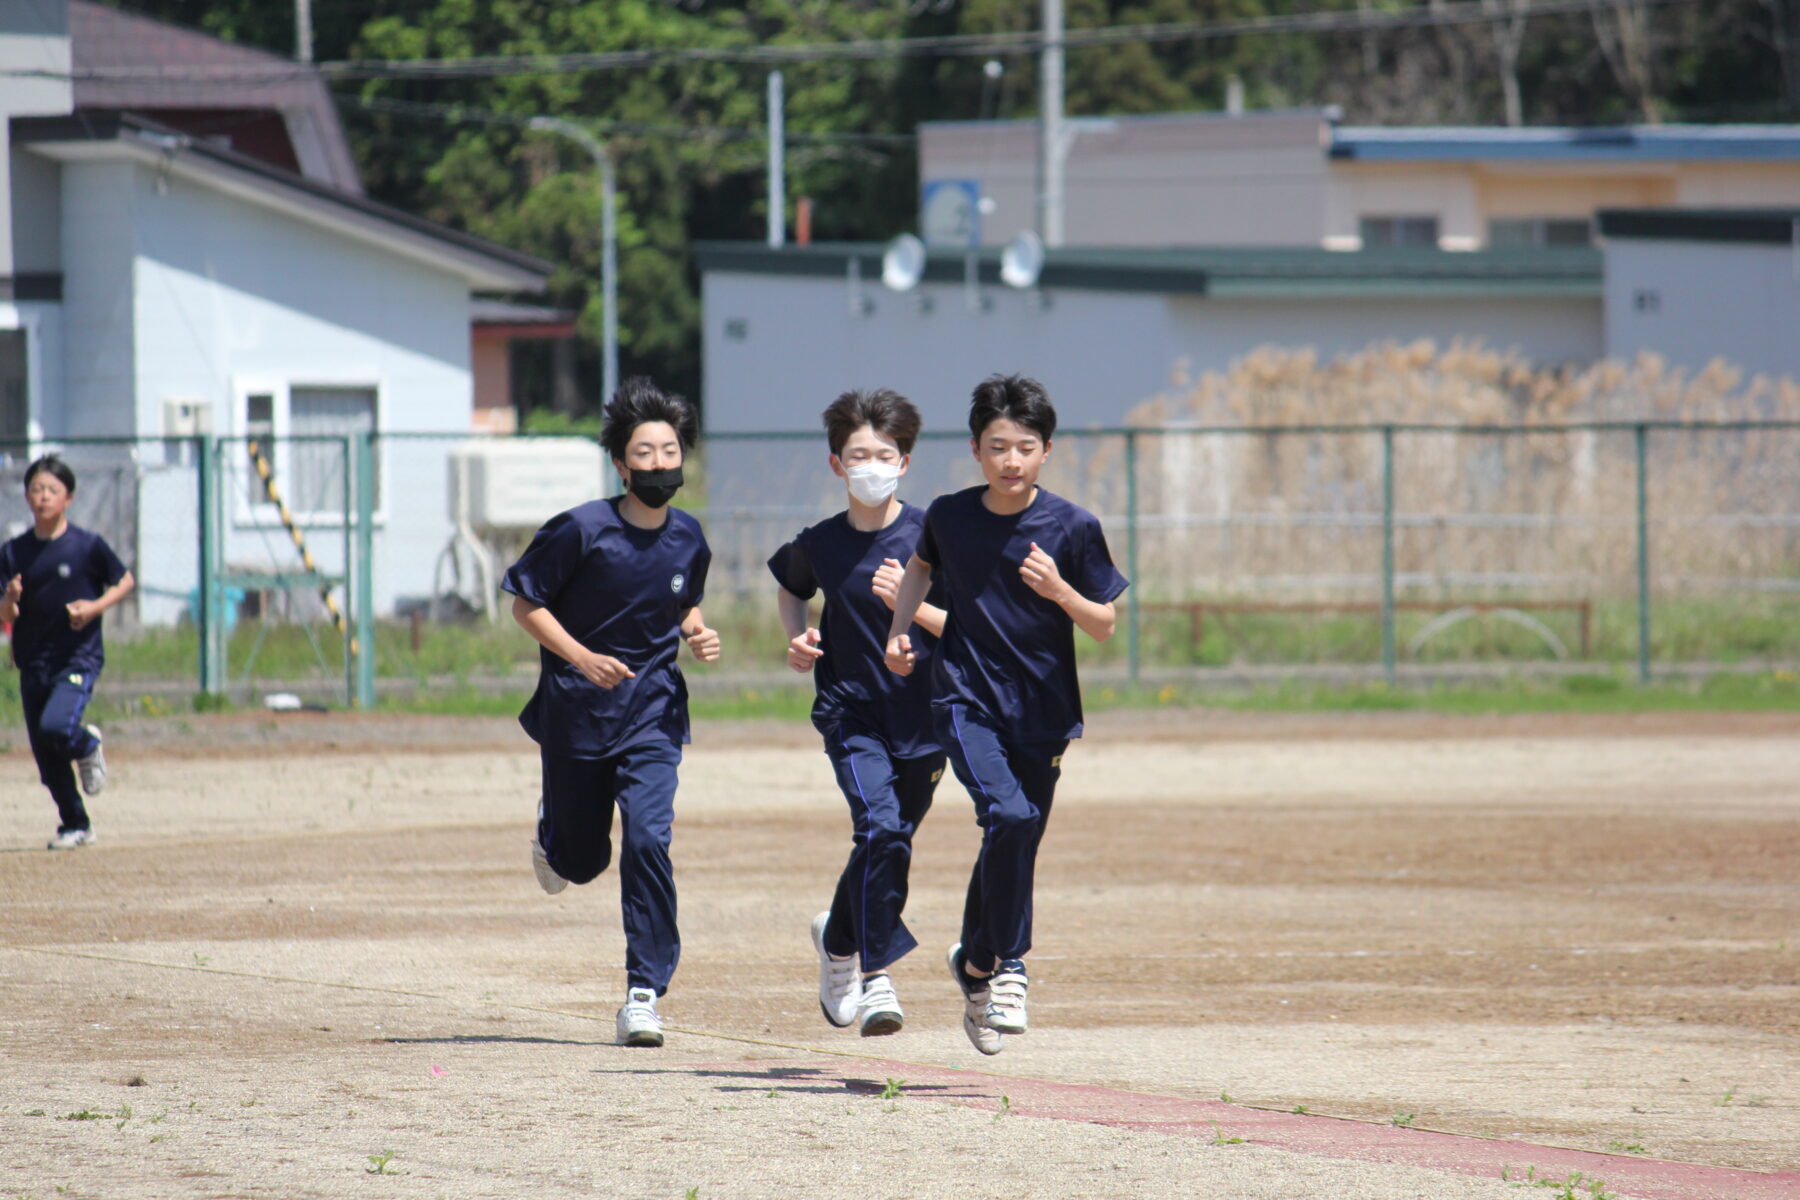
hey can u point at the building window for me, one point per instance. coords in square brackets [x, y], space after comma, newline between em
[316, 469]
[1509, 233]
[299, 430]
[1409, 231]
[15, 407]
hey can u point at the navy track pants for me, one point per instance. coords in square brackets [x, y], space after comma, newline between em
[55, 703]
[888, 798]
[1013, 785]
[575, 829]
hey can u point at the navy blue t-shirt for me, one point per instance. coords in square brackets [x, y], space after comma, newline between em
[854, 684]
[618, 590]
[78, 565]
[1007, 652]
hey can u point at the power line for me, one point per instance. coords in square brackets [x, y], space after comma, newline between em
[458, 113]
[1457, 12]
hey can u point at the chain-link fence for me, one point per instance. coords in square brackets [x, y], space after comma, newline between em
[264, 564]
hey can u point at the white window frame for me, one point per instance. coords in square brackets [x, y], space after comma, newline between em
[257, 512]
[14, 319]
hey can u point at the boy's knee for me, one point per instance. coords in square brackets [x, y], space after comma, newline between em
[56, 741]
[582, 866]
[1013, 819]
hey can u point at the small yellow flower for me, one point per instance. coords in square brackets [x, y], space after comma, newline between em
[1166, 694]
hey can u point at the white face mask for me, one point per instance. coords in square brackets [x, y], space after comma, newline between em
[873, 482]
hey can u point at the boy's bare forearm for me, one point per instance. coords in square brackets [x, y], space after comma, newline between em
[545, 629]
[116, 592]
[913, 586]
[793, 612]
[1096, 620]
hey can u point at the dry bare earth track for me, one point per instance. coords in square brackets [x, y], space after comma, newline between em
[304, 942]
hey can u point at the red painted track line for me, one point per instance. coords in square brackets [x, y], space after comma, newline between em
[1324, 1137]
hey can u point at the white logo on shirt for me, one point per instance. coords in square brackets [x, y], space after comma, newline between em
[675, 583]
[62, 569]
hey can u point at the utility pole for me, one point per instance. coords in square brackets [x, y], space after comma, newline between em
[1050, 126]
[777, 163]
[303, 46]
[609, 265]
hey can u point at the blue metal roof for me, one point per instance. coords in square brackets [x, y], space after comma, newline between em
[1617, 143]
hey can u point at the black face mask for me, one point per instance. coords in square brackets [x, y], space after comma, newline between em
[656, 488]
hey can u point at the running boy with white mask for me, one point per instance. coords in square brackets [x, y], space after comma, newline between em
[876, 725]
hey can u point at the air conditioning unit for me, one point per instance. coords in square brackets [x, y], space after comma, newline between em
[186, 418]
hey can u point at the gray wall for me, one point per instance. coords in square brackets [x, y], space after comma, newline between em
[1692, 302]
[1098, 353]
[33, 37]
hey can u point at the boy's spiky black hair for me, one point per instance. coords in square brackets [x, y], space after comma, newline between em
[883, 410]
[639, 401]
[1018, 399]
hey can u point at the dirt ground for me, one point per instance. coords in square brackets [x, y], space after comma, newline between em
[303, 943]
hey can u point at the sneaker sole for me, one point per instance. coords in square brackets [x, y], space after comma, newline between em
[973, 1032]
[643, 1038]
[971, 1029]
[1011, 1029]
[882, 1023]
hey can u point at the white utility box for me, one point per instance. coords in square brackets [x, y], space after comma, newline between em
[514, 485]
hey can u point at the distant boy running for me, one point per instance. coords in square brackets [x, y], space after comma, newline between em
[58, 580]
[1020, 569]
[609, 589]
[877, 726]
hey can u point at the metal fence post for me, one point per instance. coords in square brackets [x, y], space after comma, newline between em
[206, 590]
[365, 570]
[1641, 435]
[1131, 554]
[1387, 553]
[348, 449]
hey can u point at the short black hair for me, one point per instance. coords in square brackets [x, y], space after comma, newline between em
[883, 410]
[638, 402]
[1018, 399]
[54, 466]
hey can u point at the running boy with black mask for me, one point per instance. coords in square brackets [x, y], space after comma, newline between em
[58, 579]
[1021, 568]
[876, 725]
[609, 590]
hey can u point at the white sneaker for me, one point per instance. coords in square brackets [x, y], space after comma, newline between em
[975, 1002]
[92, 768]
[547, 877]
[637, 1022]
[70, 839]
[879, 1007]
[1006, 997]
[840, 980]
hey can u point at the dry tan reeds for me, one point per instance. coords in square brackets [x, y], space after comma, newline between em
[1295, 512]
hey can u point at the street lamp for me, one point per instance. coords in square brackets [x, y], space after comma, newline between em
[609, 264]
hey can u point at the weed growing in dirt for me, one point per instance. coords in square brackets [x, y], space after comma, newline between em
[37, 1112]
[1576, 1187]
[693, 1193]
[124, 1116]
[1403, 1120]
[1219, 1138]
[1300, 1110]
[1225, 1097]
[1634, 1146]
[87, 1114]
[1005, 1107]
[378, 1163]
[892, 1090]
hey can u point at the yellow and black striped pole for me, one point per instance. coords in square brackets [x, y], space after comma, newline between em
[267, 473]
